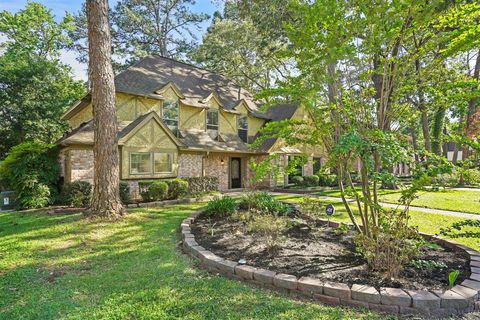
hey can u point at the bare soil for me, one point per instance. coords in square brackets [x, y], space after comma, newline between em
[315, 250]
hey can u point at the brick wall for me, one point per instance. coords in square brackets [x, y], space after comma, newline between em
[190, 165]
[215, 168]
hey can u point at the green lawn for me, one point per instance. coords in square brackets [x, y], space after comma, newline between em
[426, 222]
[68, 267]
[447, 199]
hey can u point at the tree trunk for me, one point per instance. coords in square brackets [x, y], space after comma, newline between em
[473, 116]
[423, 109]
[106, 197]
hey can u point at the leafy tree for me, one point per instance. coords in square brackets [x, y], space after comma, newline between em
[36, 87]
[143, 27]
[243, 43]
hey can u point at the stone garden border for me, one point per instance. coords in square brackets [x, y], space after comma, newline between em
[462, 298]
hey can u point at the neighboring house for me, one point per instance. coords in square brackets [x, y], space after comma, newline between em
[177, 120]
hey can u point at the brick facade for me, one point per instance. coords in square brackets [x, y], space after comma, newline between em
[215, 168]
[77, 165]
[190, 165]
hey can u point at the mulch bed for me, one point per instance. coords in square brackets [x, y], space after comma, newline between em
[315, 250]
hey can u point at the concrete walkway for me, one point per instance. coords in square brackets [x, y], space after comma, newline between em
[457, 214]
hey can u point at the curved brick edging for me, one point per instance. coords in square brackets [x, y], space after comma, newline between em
[158, 204]
[460, 299]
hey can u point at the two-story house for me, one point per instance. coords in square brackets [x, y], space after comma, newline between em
[177, 120]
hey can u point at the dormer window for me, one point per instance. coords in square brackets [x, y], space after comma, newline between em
[242, 127]
[170, 112]
[212, 123]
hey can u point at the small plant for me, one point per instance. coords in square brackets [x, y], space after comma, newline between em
[430, 245]
[311, 181]
[221, 207]
[177, 188]
[327, 179]
[343, 229]
[269, 228]
[263, 203]
[428, 264]
[311, 207]
[297, 180]
[124, 192]
[211, 227]
[452, 278]
[158, 190]
[77, 194]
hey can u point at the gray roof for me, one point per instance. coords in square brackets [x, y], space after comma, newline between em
[282, 111]
[154, 72]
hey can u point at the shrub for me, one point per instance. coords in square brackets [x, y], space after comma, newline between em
[392, 245]
[311, 181]
[143, 187]
[269, 228]
[312, 208]
[77, 194]
[202, 184]
[448, 179]
[158, 190]
[471, 176]
[221, 207]
[124, 192]
[31, 169]
[263, 202]
[297, 180]
[177, 188]
[327, 179]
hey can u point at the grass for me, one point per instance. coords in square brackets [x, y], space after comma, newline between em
[426, 222]
[445, 199]
[69, 267]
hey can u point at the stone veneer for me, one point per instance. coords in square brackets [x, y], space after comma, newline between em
[460, 299]
[81, 164]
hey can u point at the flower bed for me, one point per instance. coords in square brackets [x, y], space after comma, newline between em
[461, 298]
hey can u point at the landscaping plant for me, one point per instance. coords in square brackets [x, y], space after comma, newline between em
[124, 192]
[311, 181]
[297, 180]
[77, 194]
[157, 191]
[31, 169]
[221, 207]
[177, 188]
[312, 208]
[452, 278]
[262, 203]
[269, 228]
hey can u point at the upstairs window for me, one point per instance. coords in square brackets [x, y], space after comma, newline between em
[170, 112]
[212, 123]
[242, 127]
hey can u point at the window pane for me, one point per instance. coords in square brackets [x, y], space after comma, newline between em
[170, 110]
[243, 134]
[242, 122]
[140, 163]
[163, 162]
[212, 117]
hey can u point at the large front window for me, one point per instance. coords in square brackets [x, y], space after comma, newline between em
[170, 114]
[242, 127]
[212, 123]
[148, 163]
[140, 163]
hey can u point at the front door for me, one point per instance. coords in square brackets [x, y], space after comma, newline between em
[235, 173]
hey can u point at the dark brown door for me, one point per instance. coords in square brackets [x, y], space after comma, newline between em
[235, 173]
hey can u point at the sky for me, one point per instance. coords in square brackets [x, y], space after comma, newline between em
[59, 7]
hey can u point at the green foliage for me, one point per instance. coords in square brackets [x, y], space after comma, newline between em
[456, 229]
[36, 85]
[470, 176]
[31, 170]
[124, 192]
[202, 184]
[142, 27]
[157, 191]
[177, 188]
[311, 207]
[297, 180]
[452, 278]
[221, 207]
[428, 264]
[327, 179]
[392, 245]
[343, 229]
[77, 194]
[311, 181]
[269, 228]
[263, 203]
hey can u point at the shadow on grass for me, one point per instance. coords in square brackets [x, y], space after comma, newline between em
[130, 269]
